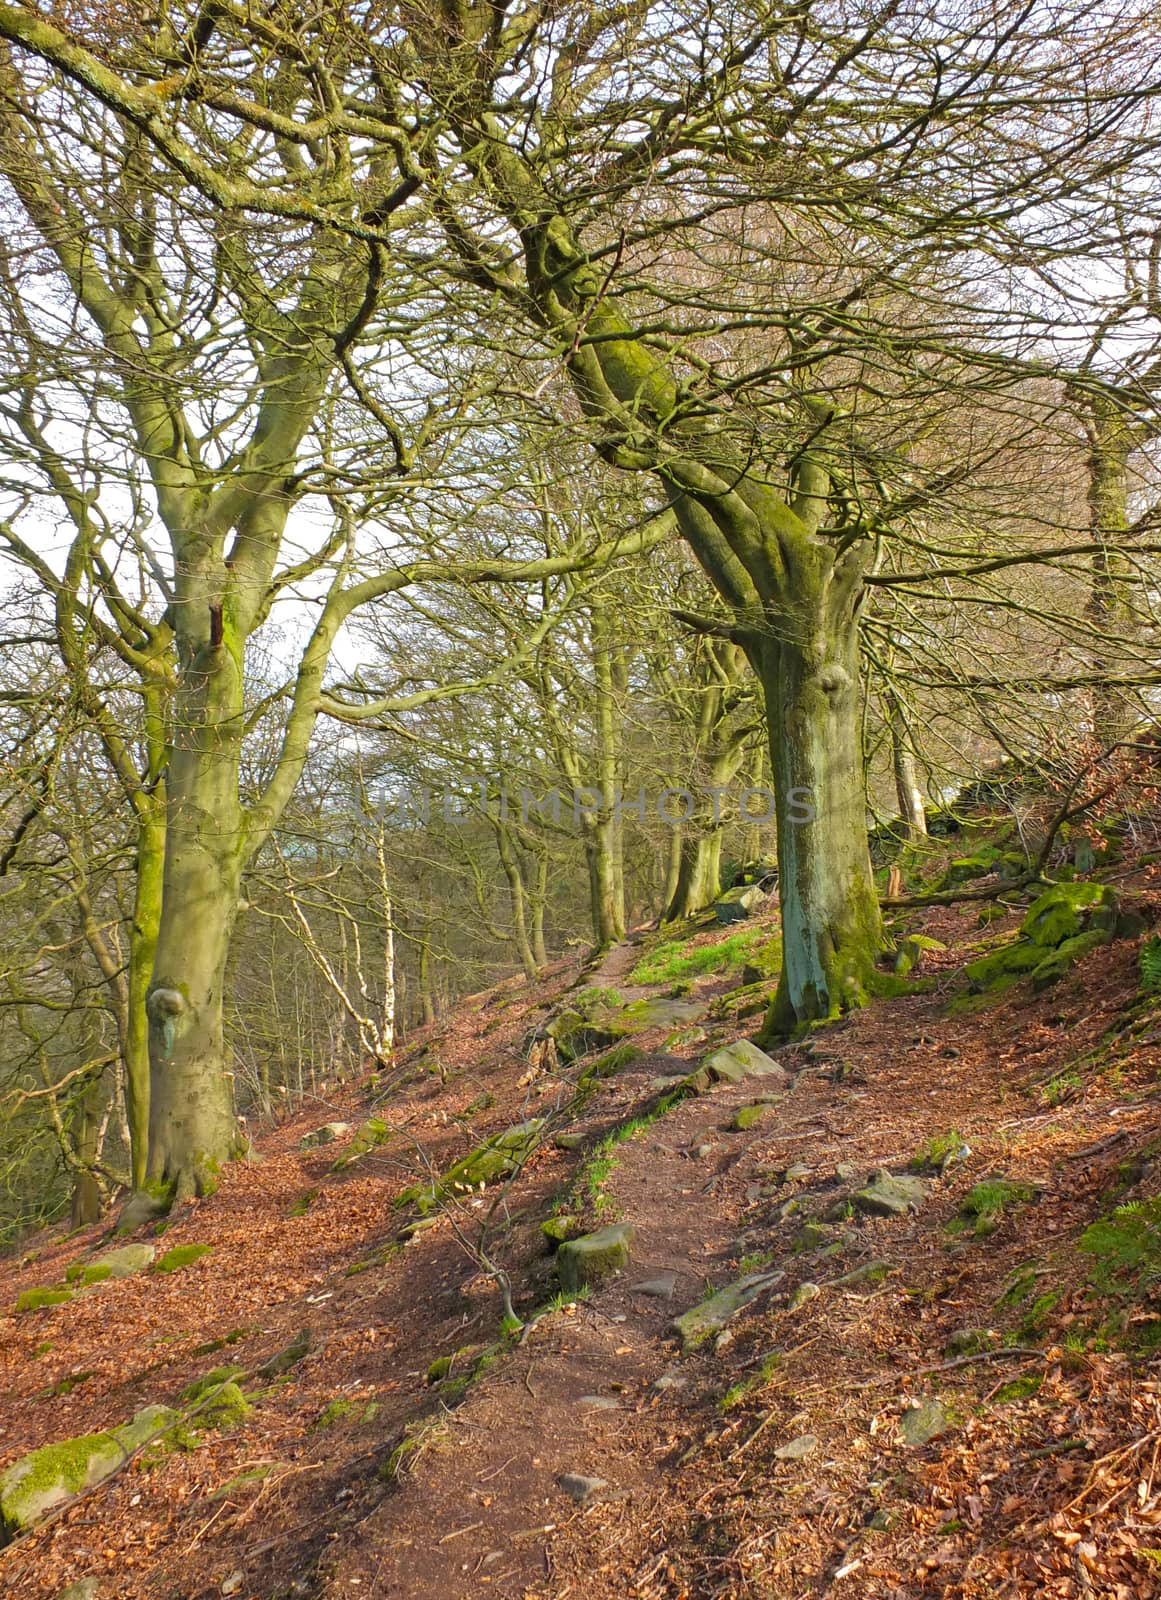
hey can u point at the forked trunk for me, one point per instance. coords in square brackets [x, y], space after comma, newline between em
[831, 923]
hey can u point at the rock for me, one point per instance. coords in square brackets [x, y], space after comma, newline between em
[498, 1157]
[738, 904]
[369, 1136]
[1001, 968]
[1059, 961]
[970, 1341]
[593, 1256]
[32, 1486]
[811, 1236]
[702, 1321]
[803, 1295]
[1067, 909]
[139, 1209]
[283, 1360]
[569, 1141]
[911, 952]
[669, 1380]
[580, 1488]
[599, 1402]
[183, 1255]
[747, 1116]
[845, 1173]
[557, 1229]
[923, 1422]
[327, 1134]
[233, 1583]
[889, 1196]
[869, 1272]
[120, 1263]
[83, 1589]
[659, 1288]
[796, 1173]
[740, 1060]
[797, 1449]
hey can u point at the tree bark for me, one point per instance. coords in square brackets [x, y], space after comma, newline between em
[908, 789]
[831, 923]
[192, 1129]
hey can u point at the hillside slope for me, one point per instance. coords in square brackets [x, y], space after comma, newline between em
[395, 1441]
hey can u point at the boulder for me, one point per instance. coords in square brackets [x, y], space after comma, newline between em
[922, 1422]
[38, 1482]
[1067, 909]
[83, 1589]
[700, 1322]
[735, 1062]
[889, 1196]
[369, 1136]
[911, 951]
[738, 904]
[327, 1134]
[594, 1256]
[120, 1263]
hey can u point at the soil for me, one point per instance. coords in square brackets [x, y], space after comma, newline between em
[1044, 1480]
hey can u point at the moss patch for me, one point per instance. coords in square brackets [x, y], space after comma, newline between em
[182, 1255]
[35, 1299]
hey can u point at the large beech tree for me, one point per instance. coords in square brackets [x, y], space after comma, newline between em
[735, 237]
[181, 420]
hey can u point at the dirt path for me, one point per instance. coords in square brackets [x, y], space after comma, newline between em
[1023, 1492]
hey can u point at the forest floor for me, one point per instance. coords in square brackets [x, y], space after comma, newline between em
[768, 1462]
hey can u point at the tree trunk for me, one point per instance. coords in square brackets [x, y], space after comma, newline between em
[831, 924]
[1111, 441]
[142, 952]
[511, 869]
[606, 884]
[539, 899]
[698, 876]
[192, 1129]
[908, 789]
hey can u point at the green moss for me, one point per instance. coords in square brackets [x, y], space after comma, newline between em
[214, 1345]
[596, 998]
[66, 1385]
[303, 1204]
[182, 1255]
[88, 1272]
[335, 1411]
[218, 1398]
[1059, 961]
[964, 869]
[36, 1299]
[911, 951]
[748, 1116]
[369, 1135]
[741, 1391]
[673, 960]
[1065, 910]
[612, 1061]
[1018, 1389]
[1035, 1320]
[1021, 1282]
[1002, 968]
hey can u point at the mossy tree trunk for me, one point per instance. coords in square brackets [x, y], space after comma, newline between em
[793, 592]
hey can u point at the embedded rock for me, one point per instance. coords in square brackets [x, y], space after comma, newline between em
[889, 1196]
[38, 1482]
[327, 1134]
[120, 1263]
[700, 1322]
[593, 1256]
